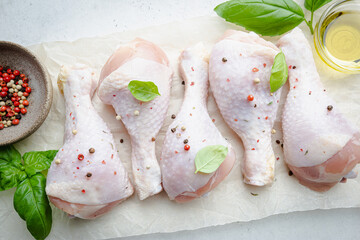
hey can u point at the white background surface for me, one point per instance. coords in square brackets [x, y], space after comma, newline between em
[31, 22]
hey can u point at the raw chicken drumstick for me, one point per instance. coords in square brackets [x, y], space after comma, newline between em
[192, 128]
[240, 69]
[87, 178]
[144, 61]
[321, 147]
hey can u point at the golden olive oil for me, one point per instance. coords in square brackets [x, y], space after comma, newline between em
[341, 36]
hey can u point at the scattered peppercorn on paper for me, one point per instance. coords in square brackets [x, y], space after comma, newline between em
[231, 201]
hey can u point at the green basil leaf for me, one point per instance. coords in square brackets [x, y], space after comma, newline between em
[10, 176]
[143, 91]
[265, 17]
[11, 155]
[11, 168]
[32, 205]
[313, 5]
[209, 158]
[38, 161]
[279, 72]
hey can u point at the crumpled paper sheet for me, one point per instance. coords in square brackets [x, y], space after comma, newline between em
[231, 201]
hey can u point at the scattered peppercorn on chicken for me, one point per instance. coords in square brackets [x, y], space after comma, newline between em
[191, 131]
[87, 178]
[139, 60]
[240, 69]
[321, 147]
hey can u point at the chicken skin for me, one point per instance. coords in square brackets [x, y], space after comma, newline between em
[240, 69]
[321, 147]
[143, 61]
[86, 178]
[191, 131]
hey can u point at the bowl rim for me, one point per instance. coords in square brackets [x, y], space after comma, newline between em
[318, 41]
[48, 98]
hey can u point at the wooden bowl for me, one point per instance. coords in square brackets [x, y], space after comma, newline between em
[40, 99]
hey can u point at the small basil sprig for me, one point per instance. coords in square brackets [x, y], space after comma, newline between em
[143, 91]
[30, 200]
[209, 158]
[279, 72]
[268, 17]
[312, 6]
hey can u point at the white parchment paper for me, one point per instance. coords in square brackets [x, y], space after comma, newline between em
[231, 201]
